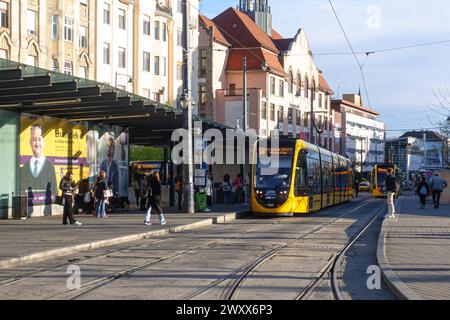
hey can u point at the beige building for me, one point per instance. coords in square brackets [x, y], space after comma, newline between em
[51, 34]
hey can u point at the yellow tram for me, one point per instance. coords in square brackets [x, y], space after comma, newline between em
[307, 178]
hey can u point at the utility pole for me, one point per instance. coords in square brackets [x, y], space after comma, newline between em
[246, 176]
[189, 167]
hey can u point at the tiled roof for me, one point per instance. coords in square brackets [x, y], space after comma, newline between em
[323, 84]
[241, 31]
[255, 57]
[283, 44]
[276, 35]
[350, 104]
[218, 35]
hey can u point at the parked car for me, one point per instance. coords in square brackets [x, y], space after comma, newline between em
[364, 186]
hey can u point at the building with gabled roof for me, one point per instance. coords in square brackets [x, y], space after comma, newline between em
[284, 83]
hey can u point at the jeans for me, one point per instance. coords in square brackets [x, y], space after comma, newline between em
[390, 202]
[68, 213]
[148, 217]
[436, 197]
[101, 208]
[227, 197]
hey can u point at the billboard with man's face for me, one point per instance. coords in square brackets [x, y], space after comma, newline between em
[50, 147]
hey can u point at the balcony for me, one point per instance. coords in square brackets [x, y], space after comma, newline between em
[163, 9]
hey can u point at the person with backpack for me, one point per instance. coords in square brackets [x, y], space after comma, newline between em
[67, 186]
[437, 186]
[155, 200]
[423, 190]
[392, 187]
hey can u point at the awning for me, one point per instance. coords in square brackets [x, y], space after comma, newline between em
[42, 92]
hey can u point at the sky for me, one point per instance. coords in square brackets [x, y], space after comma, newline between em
[400, 83]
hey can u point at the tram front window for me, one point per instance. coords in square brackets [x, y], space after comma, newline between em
[381, 179]
[273, 180]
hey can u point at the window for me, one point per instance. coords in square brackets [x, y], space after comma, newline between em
[264, 110]
[320, 100]
[156, 65]
[281, 114]
[146, 93]
[122, 19]
[179, 71]
[146, 25]
[54, 27]
[83, 2]
[272, 112]
[179, 38]
[298, 118]
[31, 22]
[32, 61]
[291, 82]
[157, 27]
[272, 85]
[121, 53]
[68, 29]
[203, 56]
[157, 97]
[146, 62]
[164, 33]
[232, 90]
[164, 66]
[299, 85]
[180, 6]
[82, 72]
[3, 54]
[300, 176]
[106, 53]
[290, 115]
[4, 14]
[55, 65]
[107, 13]
[306, 88]
[83, 37]
[202, 95]
[68, 68]
[281, 88]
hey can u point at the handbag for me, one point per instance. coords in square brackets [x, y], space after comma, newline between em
[87, 197]
[108, 193]
[423, 191]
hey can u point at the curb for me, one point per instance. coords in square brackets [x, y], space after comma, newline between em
[390, 278]
[40, 256]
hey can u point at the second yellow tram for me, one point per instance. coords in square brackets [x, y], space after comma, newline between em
[307, 178]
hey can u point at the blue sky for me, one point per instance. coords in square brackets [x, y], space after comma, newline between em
[399, 83]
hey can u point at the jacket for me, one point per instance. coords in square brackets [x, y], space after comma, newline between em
[421, 185]
[100, 186]
[66, 186]
[391, 183]
[438, 184]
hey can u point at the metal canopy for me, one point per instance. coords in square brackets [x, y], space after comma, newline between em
[41, 92]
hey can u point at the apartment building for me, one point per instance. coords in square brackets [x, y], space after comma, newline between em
[50, 34]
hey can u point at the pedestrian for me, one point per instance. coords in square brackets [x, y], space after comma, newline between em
[149, 194]
[155, 200]
[227, 189]
[209, 192]
[438, 185]
[423, 190]
[143, 191]
[179, 192]
[357, 183]
[100, 189]
[392, 186]
[137, 189]
[67, 186]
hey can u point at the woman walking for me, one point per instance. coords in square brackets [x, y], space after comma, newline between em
[99, 189]
[423, 189]
[155, 201]
[67, 186]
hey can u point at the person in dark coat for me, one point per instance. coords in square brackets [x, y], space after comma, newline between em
[99, 191]
[423, 190]
[156, 200]
[67, 186]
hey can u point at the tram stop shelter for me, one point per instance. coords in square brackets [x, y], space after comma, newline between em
[81, 125]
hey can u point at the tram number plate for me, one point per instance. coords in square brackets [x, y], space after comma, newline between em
[270, 204]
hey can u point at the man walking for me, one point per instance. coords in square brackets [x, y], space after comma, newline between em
[437, 186]
[391, 188]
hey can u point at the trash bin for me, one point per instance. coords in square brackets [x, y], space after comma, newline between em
[201, 201]
[19, 205]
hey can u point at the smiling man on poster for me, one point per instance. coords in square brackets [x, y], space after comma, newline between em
[111, 167]
[38, 173]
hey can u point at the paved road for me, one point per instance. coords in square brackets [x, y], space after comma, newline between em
[182, 266]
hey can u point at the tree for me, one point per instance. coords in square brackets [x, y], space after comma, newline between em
[140, 153]
[441, 106]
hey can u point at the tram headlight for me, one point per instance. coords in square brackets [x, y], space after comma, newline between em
[259, 194]
[283, 195]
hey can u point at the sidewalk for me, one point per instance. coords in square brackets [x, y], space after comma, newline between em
[414, 251]
[25, 241]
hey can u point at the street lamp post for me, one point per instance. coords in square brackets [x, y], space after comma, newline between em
[245, 123]
[188, 176]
